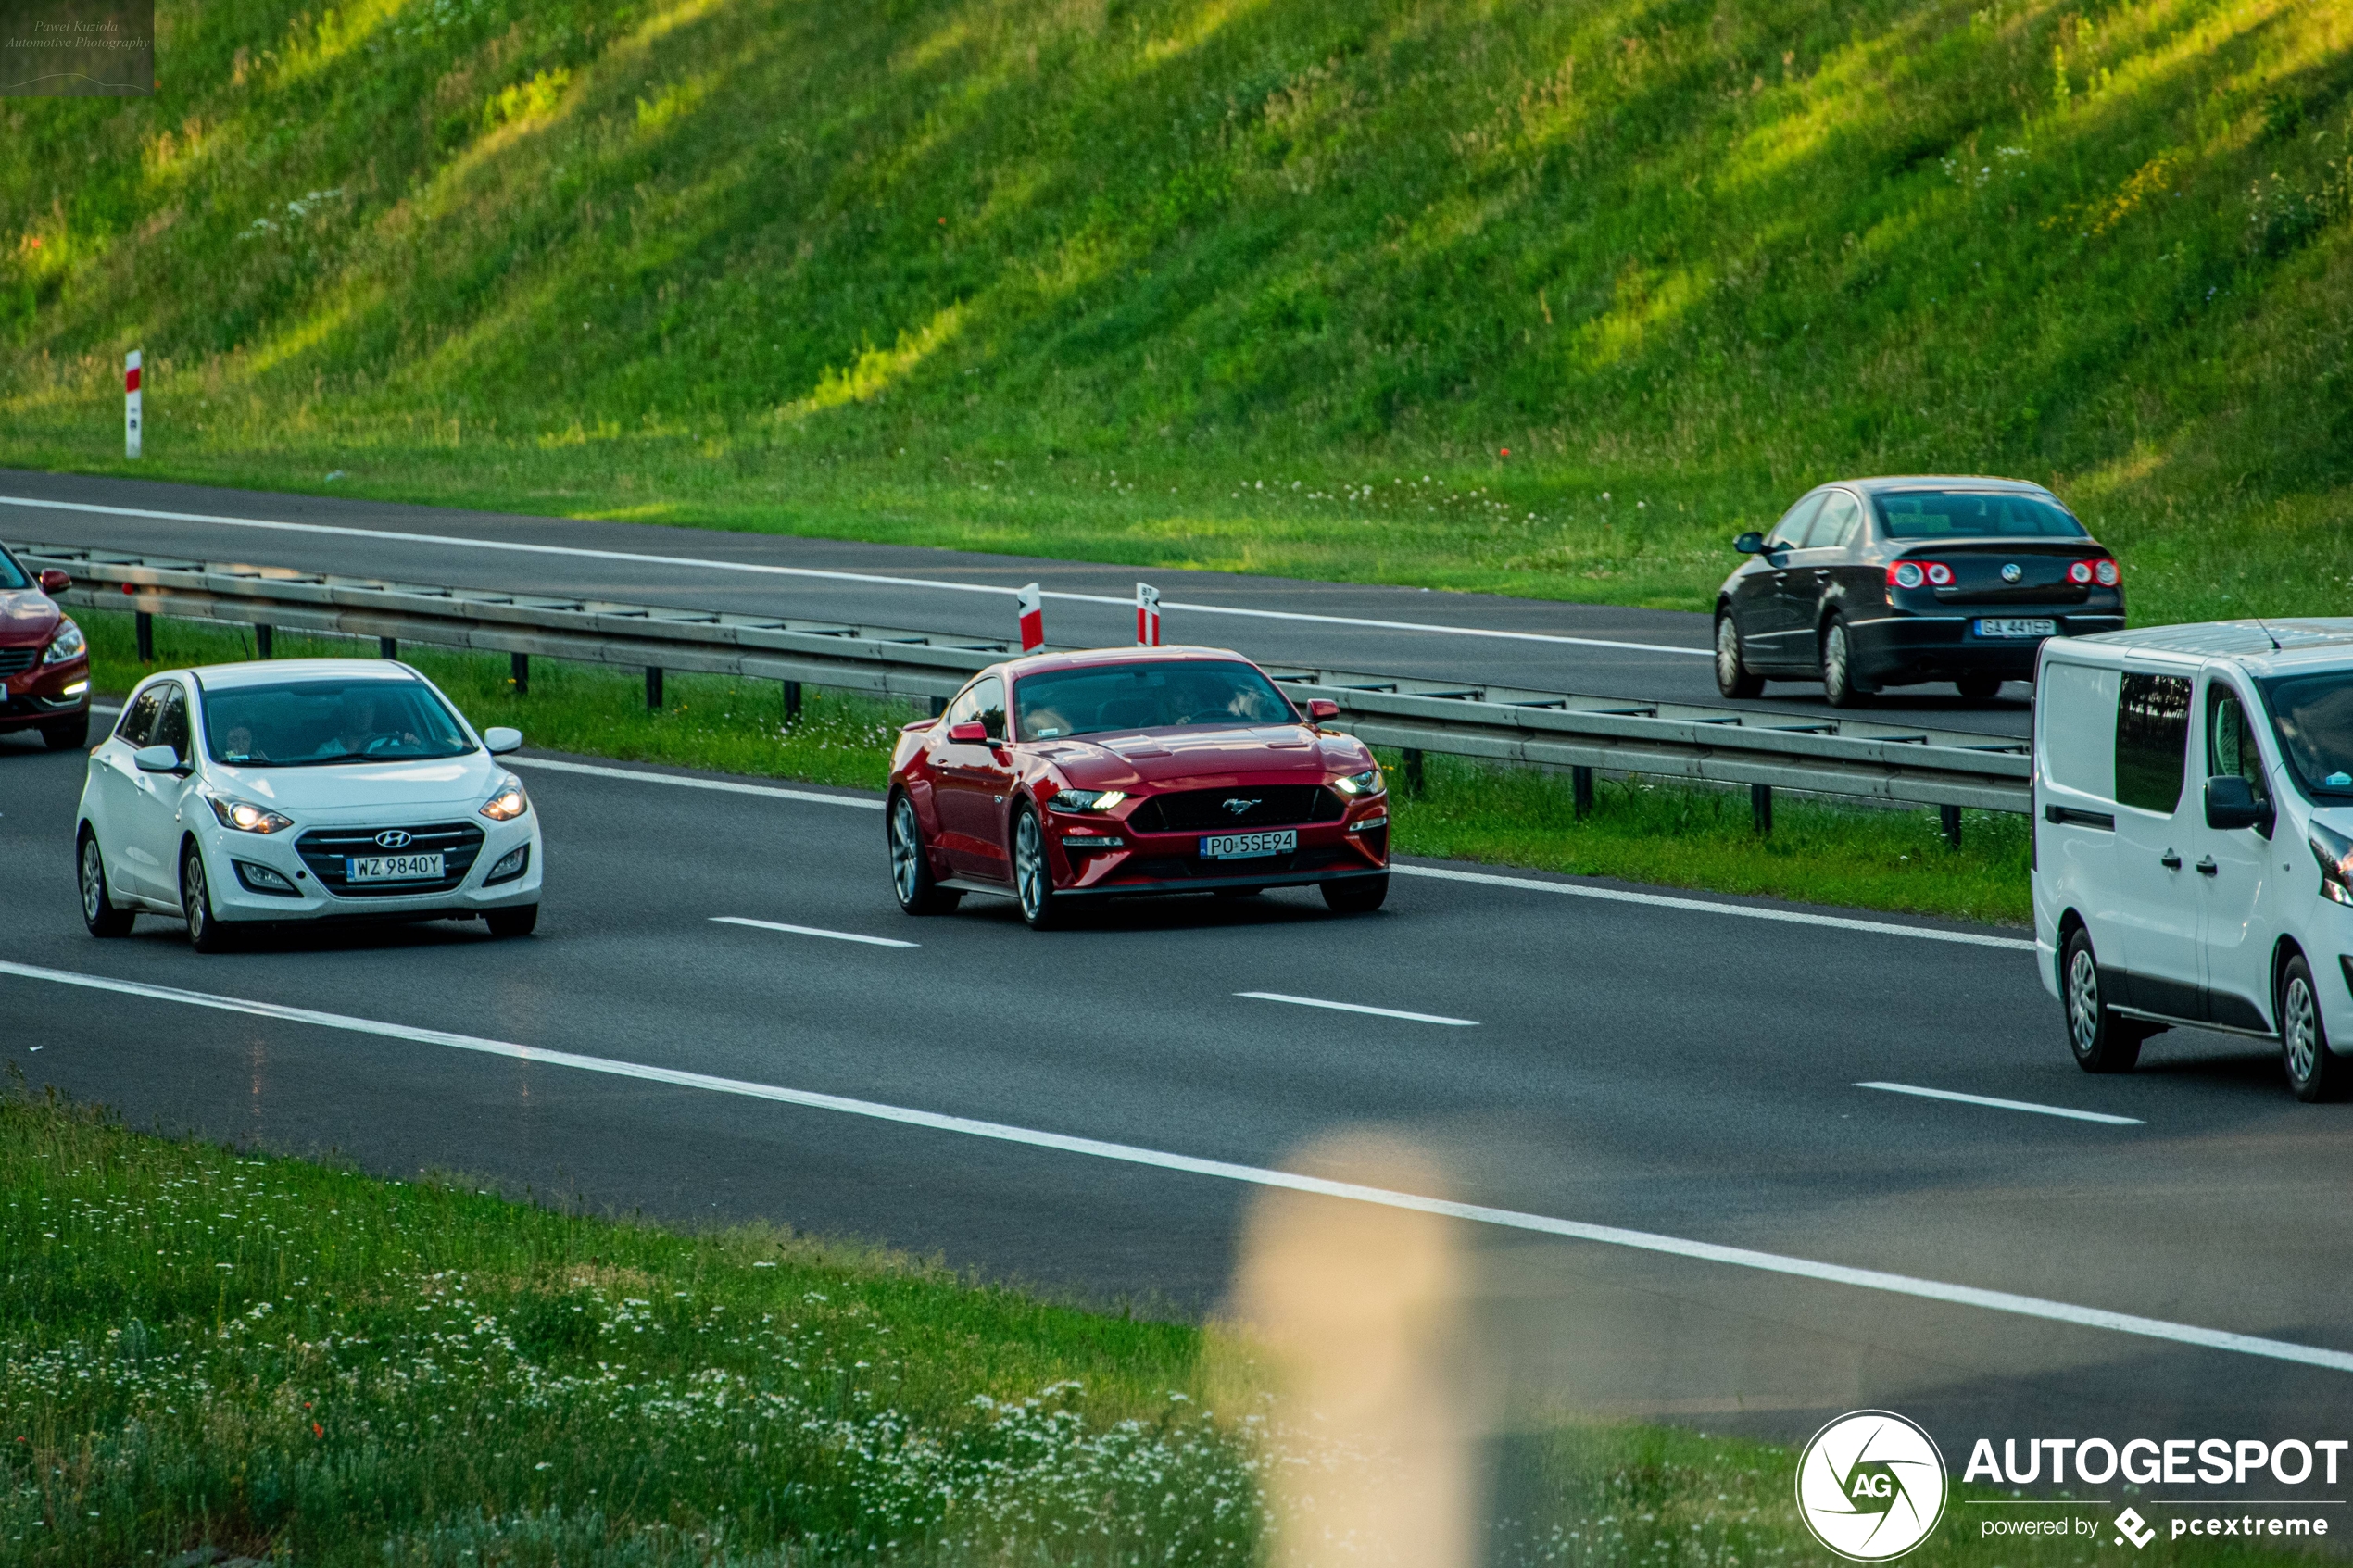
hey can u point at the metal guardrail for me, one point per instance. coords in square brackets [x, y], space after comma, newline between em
[1844, 757]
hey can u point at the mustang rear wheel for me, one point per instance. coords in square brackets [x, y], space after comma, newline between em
[911, 878]
[1033, 878]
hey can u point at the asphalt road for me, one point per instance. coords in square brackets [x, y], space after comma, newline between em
[1634, 1063]
[1658, 654]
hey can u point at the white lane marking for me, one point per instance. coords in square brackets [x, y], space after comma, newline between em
[1359, 1007]
[2008, 1104]
[1575, 1230]
[762, 569]
[1745, 911]
[812, 930]
[726, 787]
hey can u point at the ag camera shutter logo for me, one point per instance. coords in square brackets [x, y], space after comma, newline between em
[1871, 1485]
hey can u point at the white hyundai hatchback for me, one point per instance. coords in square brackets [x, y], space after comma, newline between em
[303, 789]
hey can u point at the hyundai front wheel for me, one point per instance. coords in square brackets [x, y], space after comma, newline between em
[205, 934]
[520, 920]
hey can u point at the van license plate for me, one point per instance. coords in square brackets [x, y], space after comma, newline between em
[1245, 846]
[392, 867]
[2017, 628]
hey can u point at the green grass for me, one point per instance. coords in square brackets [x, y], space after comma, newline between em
[1641, 830]
[1226, 283]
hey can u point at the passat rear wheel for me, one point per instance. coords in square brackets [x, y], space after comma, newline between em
[98, 912]
[911, 878]
[1357, 895]
[1033, 878]
[2314, 1071]
[2102, 1041]
[1839, 685]
[1733, 675]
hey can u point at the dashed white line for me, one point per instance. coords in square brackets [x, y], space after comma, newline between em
[1955, 1095]
[1745, 911]
[1575, 1230]
[725, 786]
[812, 930]
[1359, 1007]
[765, 570]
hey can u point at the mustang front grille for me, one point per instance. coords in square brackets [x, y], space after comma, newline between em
[1232, 811]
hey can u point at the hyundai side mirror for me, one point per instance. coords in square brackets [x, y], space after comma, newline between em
[155, 759]
[499, 739]
[1321, 709]
[53, 581]
[973, 732]
[2231, 802]
[1750, 544]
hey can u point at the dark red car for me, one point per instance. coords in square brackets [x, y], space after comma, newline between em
[44, 663]
[1070, 776]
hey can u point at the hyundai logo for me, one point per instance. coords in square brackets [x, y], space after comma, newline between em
[1236, 805]
[392, 838]
[2012, 572]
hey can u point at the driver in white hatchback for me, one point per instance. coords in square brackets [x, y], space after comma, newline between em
[299, 790]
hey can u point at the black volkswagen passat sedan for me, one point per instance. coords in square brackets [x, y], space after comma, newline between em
[1873, 582]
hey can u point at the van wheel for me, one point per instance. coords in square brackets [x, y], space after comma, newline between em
[1733, 677]
[2314, 1071]
[1839, 684]
[2102, 1041]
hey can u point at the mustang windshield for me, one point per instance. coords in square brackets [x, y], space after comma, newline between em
[311, 723]
[1146, 696]
[1973, 514]
[2313, 716]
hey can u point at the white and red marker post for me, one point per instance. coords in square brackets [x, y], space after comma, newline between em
[130, 404]
[1147, 615]
[1030, 605]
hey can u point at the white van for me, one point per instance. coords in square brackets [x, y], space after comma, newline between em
[2194, 838]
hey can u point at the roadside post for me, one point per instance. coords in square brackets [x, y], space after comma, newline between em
[130, 404]
[1147, 615]
[1030, 605]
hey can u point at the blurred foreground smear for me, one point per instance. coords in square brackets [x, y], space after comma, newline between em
[1360, 1314]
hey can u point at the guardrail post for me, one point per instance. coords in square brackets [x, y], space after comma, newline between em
[519, 673]
[1414, 781]
[1952, 824]
[792, 702]
[144, 622]
[1580, 790]
[262, 642]
[387, 647]
[1760, 808]
[653, 688]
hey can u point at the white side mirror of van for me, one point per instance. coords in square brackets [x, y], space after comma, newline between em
[499, 739]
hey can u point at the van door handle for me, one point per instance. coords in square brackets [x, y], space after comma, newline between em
[2170, 860]
[2206, 867]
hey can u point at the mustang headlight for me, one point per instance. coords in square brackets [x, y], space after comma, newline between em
[2334, 852]
[1367, 783]
[1089, 800]
[244, 816]
[508, 803]
[68, 644]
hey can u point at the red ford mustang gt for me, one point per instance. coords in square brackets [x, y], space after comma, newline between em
[1068, 776]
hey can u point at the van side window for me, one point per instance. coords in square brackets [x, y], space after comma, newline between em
[2152, 740]
[140, 717]
[2231, 747]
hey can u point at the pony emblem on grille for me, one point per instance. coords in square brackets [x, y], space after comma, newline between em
[1236, 805]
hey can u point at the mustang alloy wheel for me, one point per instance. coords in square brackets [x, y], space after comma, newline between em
[1033, 879]
[911, 878]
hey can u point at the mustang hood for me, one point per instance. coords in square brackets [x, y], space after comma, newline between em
[27, 616]
[1162, 757]
[370, 790]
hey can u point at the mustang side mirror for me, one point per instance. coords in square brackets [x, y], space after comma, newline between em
[2231, 802]
[1320, 708]
[972, 734]
[499, 739]
[1749, 544]
[53, 581]
[155, 759]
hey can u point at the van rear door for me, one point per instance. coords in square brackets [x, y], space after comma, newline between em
[2158, 824]
[2075, 794]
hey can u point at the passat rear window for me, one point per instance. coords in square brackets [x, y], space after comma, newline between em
[313, 723]
[2313, 717]
[1973, 514]
[1146, 696]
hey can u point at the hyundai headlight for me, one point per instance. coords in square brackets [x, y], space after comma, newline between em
[2334, 852]
[1367, 783]
[68, 644]
[244, 816]
[1096, 800]
[508, 803]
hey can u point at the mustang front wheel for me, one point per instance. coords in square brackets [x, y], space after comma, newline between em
[1033, 878]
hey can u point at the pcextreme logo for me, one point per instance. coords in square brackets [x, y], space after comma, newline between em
[1871, 1485]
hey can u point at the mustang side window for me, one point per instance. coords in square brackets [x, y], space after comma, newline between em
[2230, 746]
[981, 703]
[2152, 740]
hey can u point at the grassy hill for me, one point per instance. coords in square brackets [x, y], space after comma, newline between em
[1272, 286]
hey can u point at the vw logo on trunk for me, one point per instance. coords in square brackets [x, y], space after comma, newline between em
[392, 838]
[1236, 805]
[2012, 572]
